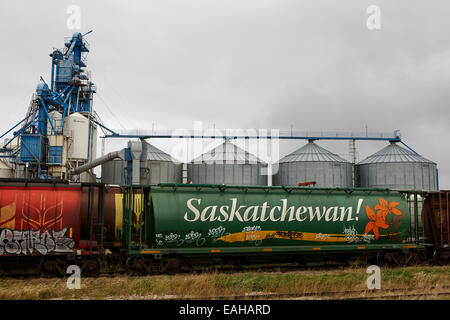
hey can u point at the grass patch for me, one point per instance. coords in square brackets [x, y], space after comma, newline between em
[216, 284]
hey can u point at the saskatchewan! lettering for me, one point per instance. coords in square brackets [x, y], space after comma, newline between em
[264, 212]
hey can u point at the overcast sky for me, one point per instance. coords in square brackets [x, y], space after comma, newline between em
[247, 64]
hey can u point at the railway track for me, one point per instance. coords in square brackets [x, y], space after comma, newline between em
[264, 269]
[338, 295]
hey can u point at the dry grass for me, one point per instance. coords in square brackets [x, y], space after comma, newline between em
[219, 285]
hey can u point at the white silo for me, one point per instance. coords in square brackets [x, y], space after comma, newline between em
[81, 144]
[76, 128]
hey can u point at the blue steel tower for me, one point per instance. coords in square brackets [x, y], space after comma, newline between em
[43, 137]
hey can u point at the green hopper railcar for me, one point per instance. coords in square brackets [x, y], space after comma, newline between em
[171, 226]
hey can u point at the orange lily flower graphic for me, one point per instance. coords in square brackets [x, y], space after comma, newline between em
[378, 219]
[387, 208]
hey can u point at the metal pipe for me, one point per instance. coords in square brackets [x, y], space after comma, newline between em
[437, 179]
[13, 127]
[135, 148]
[53, 74]
[416, 219]
[108, 157]
[225, 137]
[17, 134]
[104, 127]
[65, 108]
[48, 117]
[72, 46]
[409, 147]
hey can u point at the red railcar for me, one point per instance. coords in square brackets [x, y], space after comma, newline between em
[39, 219]
[55, 224]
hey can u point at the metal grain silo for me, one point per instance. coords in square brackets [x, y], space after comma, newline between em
[159, 167]
[395, 167]
[227, 164]
[156, 166]
[313, 163]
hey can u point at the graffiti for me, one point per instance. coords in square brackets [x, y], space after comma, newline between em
[368, 237]
[351, 234]
[172, 238]
[290, 235]
[30, 241]
[251, 228]
[252, 235]
[159, 241]
[192, 237]
[176, 239]
[215, 233]
[287, 235]
[322, 236]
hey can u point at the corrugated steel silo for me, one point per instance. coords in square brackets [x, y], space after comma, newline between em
[159, 167]
[227, 164]
[156, 166]
[313, 163]
[395, 167]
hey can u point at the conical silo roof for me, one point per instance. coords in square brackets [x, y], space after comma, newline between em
[394, 153]
[155, 154]
[227, 152]
[312, 152]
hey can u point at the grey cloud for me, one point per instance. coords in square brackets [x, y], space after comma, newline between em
[239, 64]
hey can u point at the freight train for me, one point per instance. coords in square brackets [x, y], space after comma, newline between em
[167, 228]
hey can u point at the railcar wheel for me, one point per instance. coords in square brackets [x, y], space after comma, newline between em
[48, 267]
[440, 258]
[53, 267]
[91, 268]
[413, 259]
[134, 266]
[394, 259]
[172, 265]
[383, 259]
[148, 265]
[388, 259]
